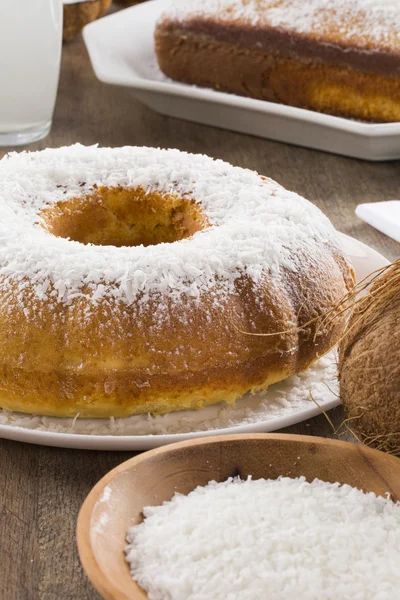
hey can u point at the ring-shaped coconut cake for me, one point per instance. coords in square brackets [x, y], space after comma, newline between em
[133, 280]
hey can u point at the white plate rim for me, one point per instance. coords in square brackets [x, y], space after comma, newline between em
[92, 31]
[146, 442]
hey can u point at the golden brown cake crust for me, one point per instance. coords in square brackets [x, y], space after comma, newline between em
[98, 330]
[331, 50]
[330, 88]
[345, 64]
[43, 372]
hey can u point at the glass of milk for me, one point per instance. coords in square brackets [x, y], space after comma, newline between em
[30, 53]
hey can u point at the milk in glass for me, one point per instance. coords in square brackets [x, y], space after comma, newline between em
[30, 51]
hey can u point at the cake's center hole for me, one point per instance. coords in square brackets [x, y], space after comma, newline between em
[124, 217]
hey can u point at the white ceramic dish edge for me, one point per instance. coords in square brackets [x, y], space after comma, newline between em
[121, 50]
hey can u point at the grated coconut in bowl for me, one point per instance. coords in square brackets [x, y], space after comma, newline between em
[283, 539]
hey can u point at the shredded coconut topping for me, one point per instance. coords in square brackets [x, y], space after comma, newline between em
[356, 22]
[285, 539]
[257, 227]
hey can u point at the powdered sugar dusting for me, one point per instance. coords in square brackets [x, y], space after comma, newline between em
[362, 23]
[257, 227]
[296, 394]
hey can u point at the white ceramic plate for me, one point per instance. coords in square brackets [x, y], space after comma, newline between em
[282, 405]
[121, 50]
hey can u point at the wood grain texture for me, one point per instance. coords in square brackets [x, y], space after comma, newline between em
[42, 489]
[154, 477]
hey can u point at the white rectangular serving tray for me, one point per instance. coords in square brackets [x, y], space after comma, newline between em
[121, 49]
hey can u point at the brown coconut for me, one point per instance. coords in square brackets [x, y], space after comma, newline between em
[79, 14]
[369, 364]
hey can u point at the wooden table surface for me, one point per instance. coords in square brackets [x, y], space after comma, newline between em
[41, 488]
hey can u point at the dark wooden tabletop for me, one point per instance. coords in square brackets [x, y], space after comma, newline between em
[42, 489]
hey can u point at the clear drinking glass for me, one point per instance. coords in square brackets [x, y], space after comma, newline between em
[30, 53]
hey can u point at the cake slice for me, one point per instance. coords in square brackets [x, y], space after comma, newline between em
[336, 56]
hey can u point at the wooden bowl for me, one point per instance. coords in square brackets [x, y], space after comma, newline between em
[116, 502]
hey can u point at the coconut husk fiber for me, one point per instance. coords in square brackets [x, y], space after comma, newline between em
[369, 364]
